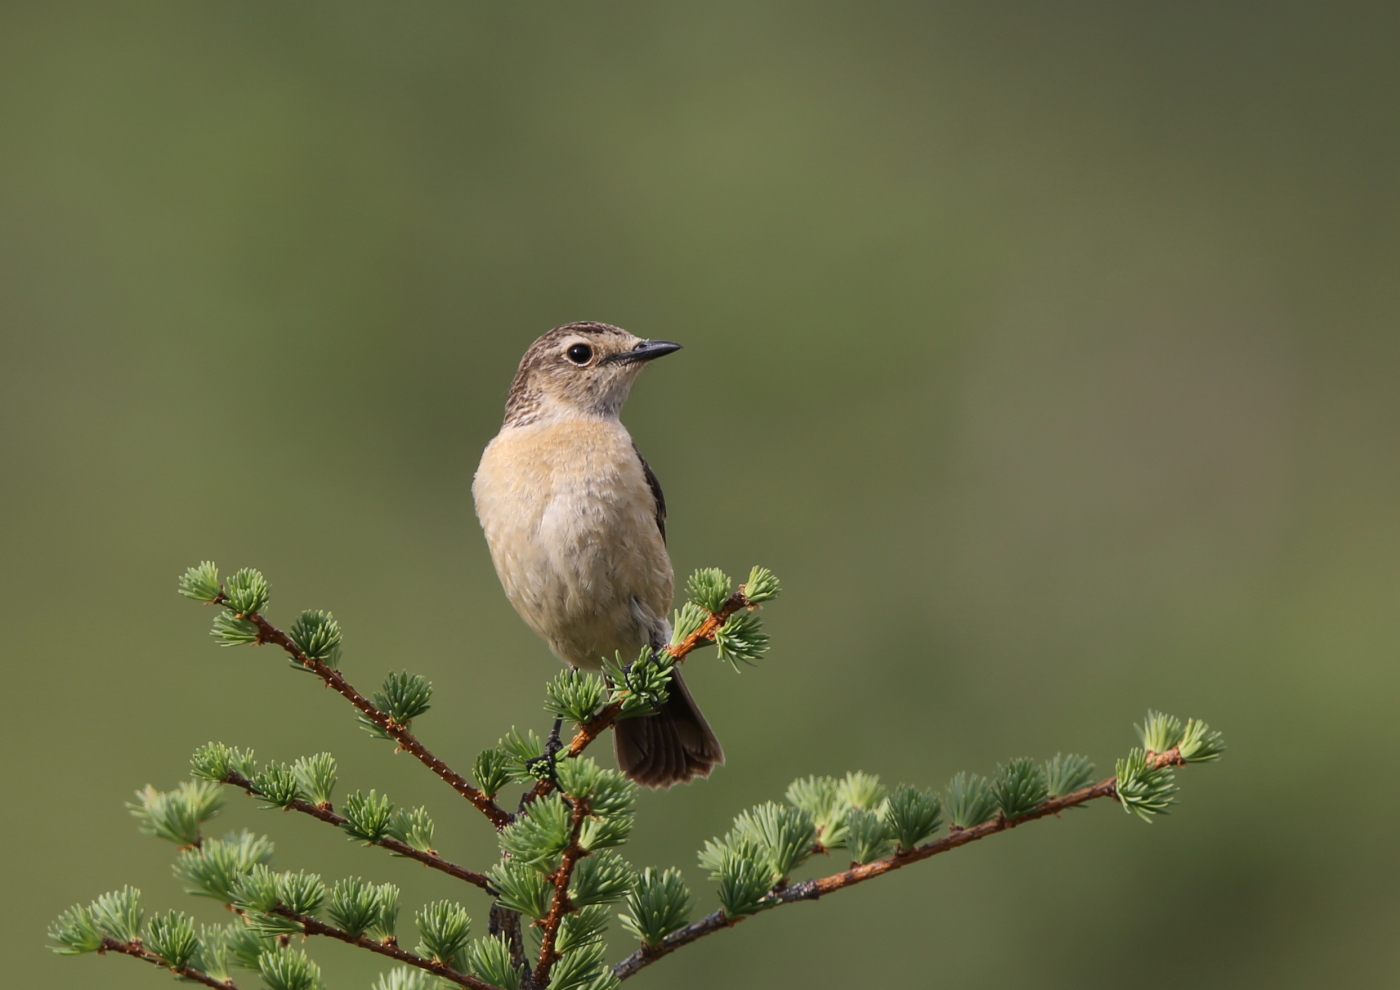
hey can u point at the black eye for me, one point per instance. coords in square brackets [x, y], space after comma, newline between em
[579, 353]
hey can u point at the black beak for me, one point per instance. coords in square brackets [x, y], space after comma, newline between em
[647, 350]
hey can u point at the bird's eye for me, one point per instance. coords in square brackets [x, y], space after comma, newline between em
[579, 353]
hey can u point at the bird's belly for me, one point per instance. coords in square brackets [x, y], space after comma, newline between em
[585, 567]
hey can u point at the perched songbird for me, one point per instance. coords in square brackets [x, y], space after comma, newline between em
[576, 523]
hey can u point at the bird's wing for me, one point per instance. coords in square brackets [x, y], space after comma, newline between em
[657, 495]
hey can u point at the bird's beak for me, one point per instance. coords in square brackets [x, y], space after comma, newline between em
[647, 350]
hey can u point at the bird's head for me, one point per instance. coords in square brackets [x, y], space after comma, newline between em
[579, 368]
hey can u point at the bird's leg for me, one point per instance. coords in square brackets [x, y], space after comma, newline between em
[543, 766]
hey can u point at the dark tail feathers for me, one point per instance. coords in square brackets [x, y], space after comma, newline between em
[670, 747]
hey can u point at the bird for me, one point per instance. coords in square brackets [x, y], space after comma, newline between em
[575, 521]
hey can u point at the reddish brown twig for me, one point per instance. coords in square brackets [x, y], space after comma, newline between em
[135, 950]
[328, 814]
[268, 633]
[595, 726]
[810, 890]
[390, 948]
[561, 905]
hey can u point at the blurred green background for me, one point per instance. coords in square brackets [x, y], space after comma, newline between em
[1047, 352]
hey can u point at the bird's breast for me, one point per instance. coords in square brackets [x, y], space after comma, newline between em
[571, 525]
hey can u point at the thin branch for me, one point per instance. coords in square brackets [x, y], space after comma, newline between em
[390, 948]
[327, 814]
[268, 633]
[811, 890]
[561, 905]
[595, 726]
[137, 951]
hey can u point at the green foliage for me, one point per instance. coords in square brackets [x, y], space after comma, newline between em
[912, 815]
[1199, 743]
[317, 635]
[246, 945]
[583, 927]
[763, 847]
[522, 888]
[491, 770]
[201, 582]
[970, 800]
[537, 838]
[443, 929]
[256, 890]
[213, 869]
[521, 750]
[612, 803]
[578, 778]
[316, 777]
[289, 969]
[75, 932]
[709, 587]
[868, 835]
[247, 592]
[177, 815]
[489, 958]
[741, 639]
[1143, 788]
[688, 618]
[1019, 787]
[301, 893]
[657, 905]
[406, 978]
[861, 790]
[783, 835]
[278, 785]
[215, 761]
[117, 915]
[230, 630]
[413, 828]
[367, 816]
[744, 880]
[403, 698]
[600, 878]
[212, 956]
[575, 695]
[1159, 732]
[1066, 774]
[362, 908]
[581, 968]
[762, 586]
[171, 936]
[819, 798]
[642, 687]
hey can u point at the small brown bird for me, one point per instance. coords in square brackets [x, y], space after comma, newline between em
[576, 524]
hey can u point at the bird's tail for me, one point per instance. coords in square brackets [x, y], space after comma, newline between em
[670, 747]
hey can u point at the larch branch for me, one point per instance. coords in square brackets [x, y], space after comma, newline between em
[811, 890]
[137, 951]
[390, 948]
[268, 633]
[328, 815]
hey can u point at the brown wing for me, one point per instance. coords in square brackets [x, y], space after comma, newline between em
[657, 495]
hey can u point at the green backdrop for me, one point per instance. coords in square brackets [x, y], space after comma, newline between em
[1047, 352]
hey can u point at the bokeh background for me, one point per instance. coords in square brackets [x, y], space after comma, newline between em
[1047, 352]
